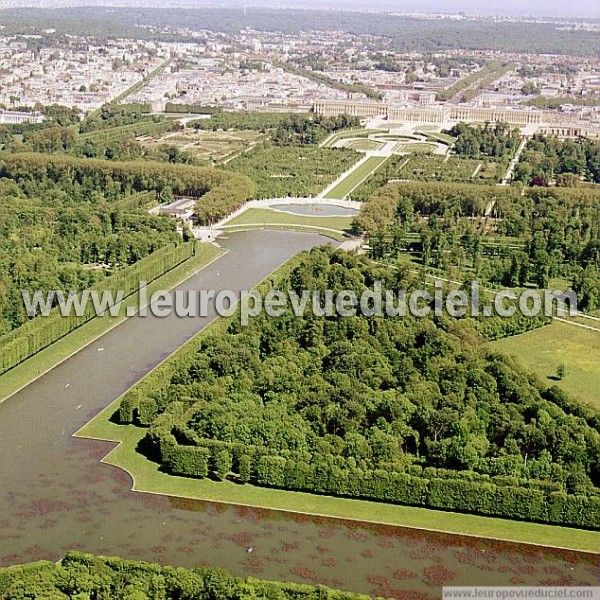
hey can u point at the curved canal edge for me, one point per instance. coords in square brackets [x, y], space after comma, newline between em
[147, 478]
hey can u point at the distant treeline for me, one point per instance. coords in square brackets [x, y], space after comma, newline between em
[543, 103]
[323, 79]
[406, 34]
[479, 79]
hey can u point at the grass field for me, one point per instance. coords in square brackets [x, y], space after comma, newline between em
[357, 132]
[48, 358]
[345, 187]
[441, 137]
[544, 349]
[363, 145]
[415, 148]
[148, 478]
[255, 218]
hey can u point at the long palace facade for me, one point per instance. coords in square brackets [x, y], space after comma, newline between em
[564, 123]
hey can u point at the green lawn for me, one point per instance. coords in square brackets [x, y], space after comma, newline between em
[416, 148]
[147, 478]
[441, 137]
[544, 349]
[255, 218]
[364, 145]
[355, 178]
[43, 361]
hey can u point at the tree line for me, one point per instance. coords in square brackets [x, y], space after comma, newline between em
[548, 159]
[408, 410]
[35, 334]
[496, 141]
[285, 128]
[116, 178]
[68, 223]
[83, 576]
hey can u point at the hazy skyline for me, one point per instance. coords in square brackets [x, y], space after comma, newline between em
[538, 8]
[543, 8]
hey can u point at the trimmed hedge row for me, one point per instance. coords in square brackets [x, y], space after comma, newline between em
[38, 333]
[443, 489]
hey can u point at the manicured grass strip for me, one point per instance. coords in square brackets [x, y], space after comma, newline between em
[331, 233]
[365, 145]
[417, 147]
[266, 217]
[147, 478]
[542, 350]
[356, 177]
[43, 361]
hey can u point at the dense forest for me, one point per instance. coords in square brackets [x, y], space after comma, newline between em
[83, 576]
[416, 411]
[551, 232]
[564, 162]
[110, 133]
[495, 141]
[59, 243]
[405, 34]
[66, 222]
[219, 192]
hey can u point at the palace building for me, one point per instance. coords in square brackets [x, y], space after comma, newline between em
[563, 124]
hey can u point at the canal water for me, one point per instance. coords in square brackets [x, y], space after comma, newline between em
[55, 495]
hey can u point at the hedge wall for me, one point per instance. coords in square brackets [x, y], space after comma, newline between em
[440, 489]
[38, 333]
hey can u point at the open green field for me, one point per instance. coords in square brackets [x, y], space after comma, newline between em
[357, 132]
[48, 358]
[441, 137]
[255, 218]
[415, 147]
[542, 350]
[345, 187]
[148, 478]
